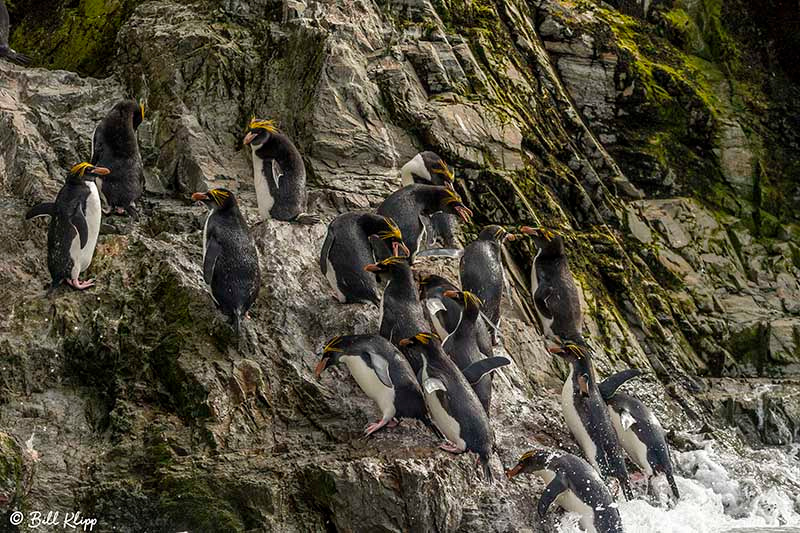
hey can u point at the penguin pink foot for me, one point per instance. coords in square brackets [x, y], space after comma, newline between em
[450, 447]
[80, 285]
[375, 426]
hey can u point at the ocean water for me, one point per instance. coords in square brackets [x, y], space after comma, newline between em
[722, 491]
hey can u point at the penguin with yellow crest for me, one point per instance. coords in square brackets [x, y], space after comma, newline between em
[278, 172]
[74, 226]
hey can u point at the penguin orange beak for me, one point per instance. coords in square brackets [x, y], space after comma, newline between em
[102, 171]
[556, 350]
[404, 342]
[398, 247]
[249, 137]
[450, 294]
[510, 237]
[527, 230]
[372, 268]
[514, 471]
[321, 366]
[464, 212]
[199, 197]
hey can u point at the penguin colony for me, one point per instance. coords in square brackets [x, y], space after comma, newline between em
[433, 356]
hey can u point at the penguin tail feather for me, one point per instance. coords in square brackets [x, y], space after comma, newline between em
[487, 470]
[673, 485]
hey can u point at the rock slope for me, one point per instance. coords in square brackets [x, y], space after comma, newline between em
[134, 403]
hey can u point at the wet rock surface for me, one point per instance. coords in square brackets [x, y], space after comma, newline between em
[135, 403]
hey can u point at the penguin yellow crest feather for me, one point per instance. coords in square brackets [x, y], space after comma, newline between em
[425, 338]
[452, 197]
[331, 346]
[80, 168]
[256, 123]
[471, 297]
[444, 170]
[393, 232]
[219, 195]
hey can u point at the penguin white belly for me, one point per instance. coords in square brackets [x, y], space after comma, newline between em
[381, 304]
[205, 236]
[423, 234]
[575, 424]
[635, 448]
[372, 386]
[330, 275]
[571, 503]
[93, 210]
[415, 166]
[76, 254]
[263, 196]
[434, 306]
[448, 425]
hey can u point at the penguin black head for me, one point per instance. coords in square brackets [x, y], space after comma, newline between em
[259, 130]
[468, 299]
[129, 109]
[331, 353]
[423, 339]
[451, 203]
[395, 236]
[496, 233]
[436, 166]
[87, 172]
[387, 265]
[218, 198]
[531, 461]
[579, 355]
[548, 241]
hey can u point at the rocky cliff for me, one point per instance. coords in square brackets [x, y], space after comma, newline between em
[660, 137]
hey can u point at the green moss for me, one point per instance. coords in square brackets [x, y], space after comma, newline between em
[196, 504]
[80, 37]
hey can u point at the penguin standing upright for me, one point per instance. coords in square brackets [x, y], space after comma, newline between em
[5, 50]
[638, 430]
[74, 226]
[114, 146]
[462, 344]
[409, 205]
[555, 295]
[453, 405]
[382, 372]
[482, 273]
[347, 250]
[278, 172]
[587, 416]
[401, 311]
[428, 168]
[573, 485]
[230, 258]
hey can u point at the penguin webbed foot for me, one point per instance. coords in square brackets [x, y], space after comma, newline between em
[80, 285]
[449, 447]
[375, 426]
[306, 219]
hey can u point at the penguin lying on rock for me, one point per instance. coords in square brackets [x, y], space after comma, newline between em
[74, 226]
[382, 372]
[401, 311]
[638, 430]
[5, 50]
[230, 259]
[587, 416]
[428, 168]
[347, 250]
[444, 313]
[279, 174]
[463, 347]
[481, 271]
[574, 486]
[453, 405]
[555, 294]
[409, 205]
[114, 146]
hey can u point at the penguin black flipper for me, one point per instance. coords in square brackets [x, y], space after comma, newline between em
[78, 220]
[325, 253]
[213, 250]
[41, 210]
[98, 143]
[478, 369]
[379, 365]
[551, 492]
[608, 387]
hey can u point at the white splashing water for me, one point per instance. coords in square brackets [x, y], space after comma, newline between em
[721, 491]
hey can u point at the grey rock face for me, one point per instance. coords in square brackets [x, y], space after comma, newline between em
[143, 409]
